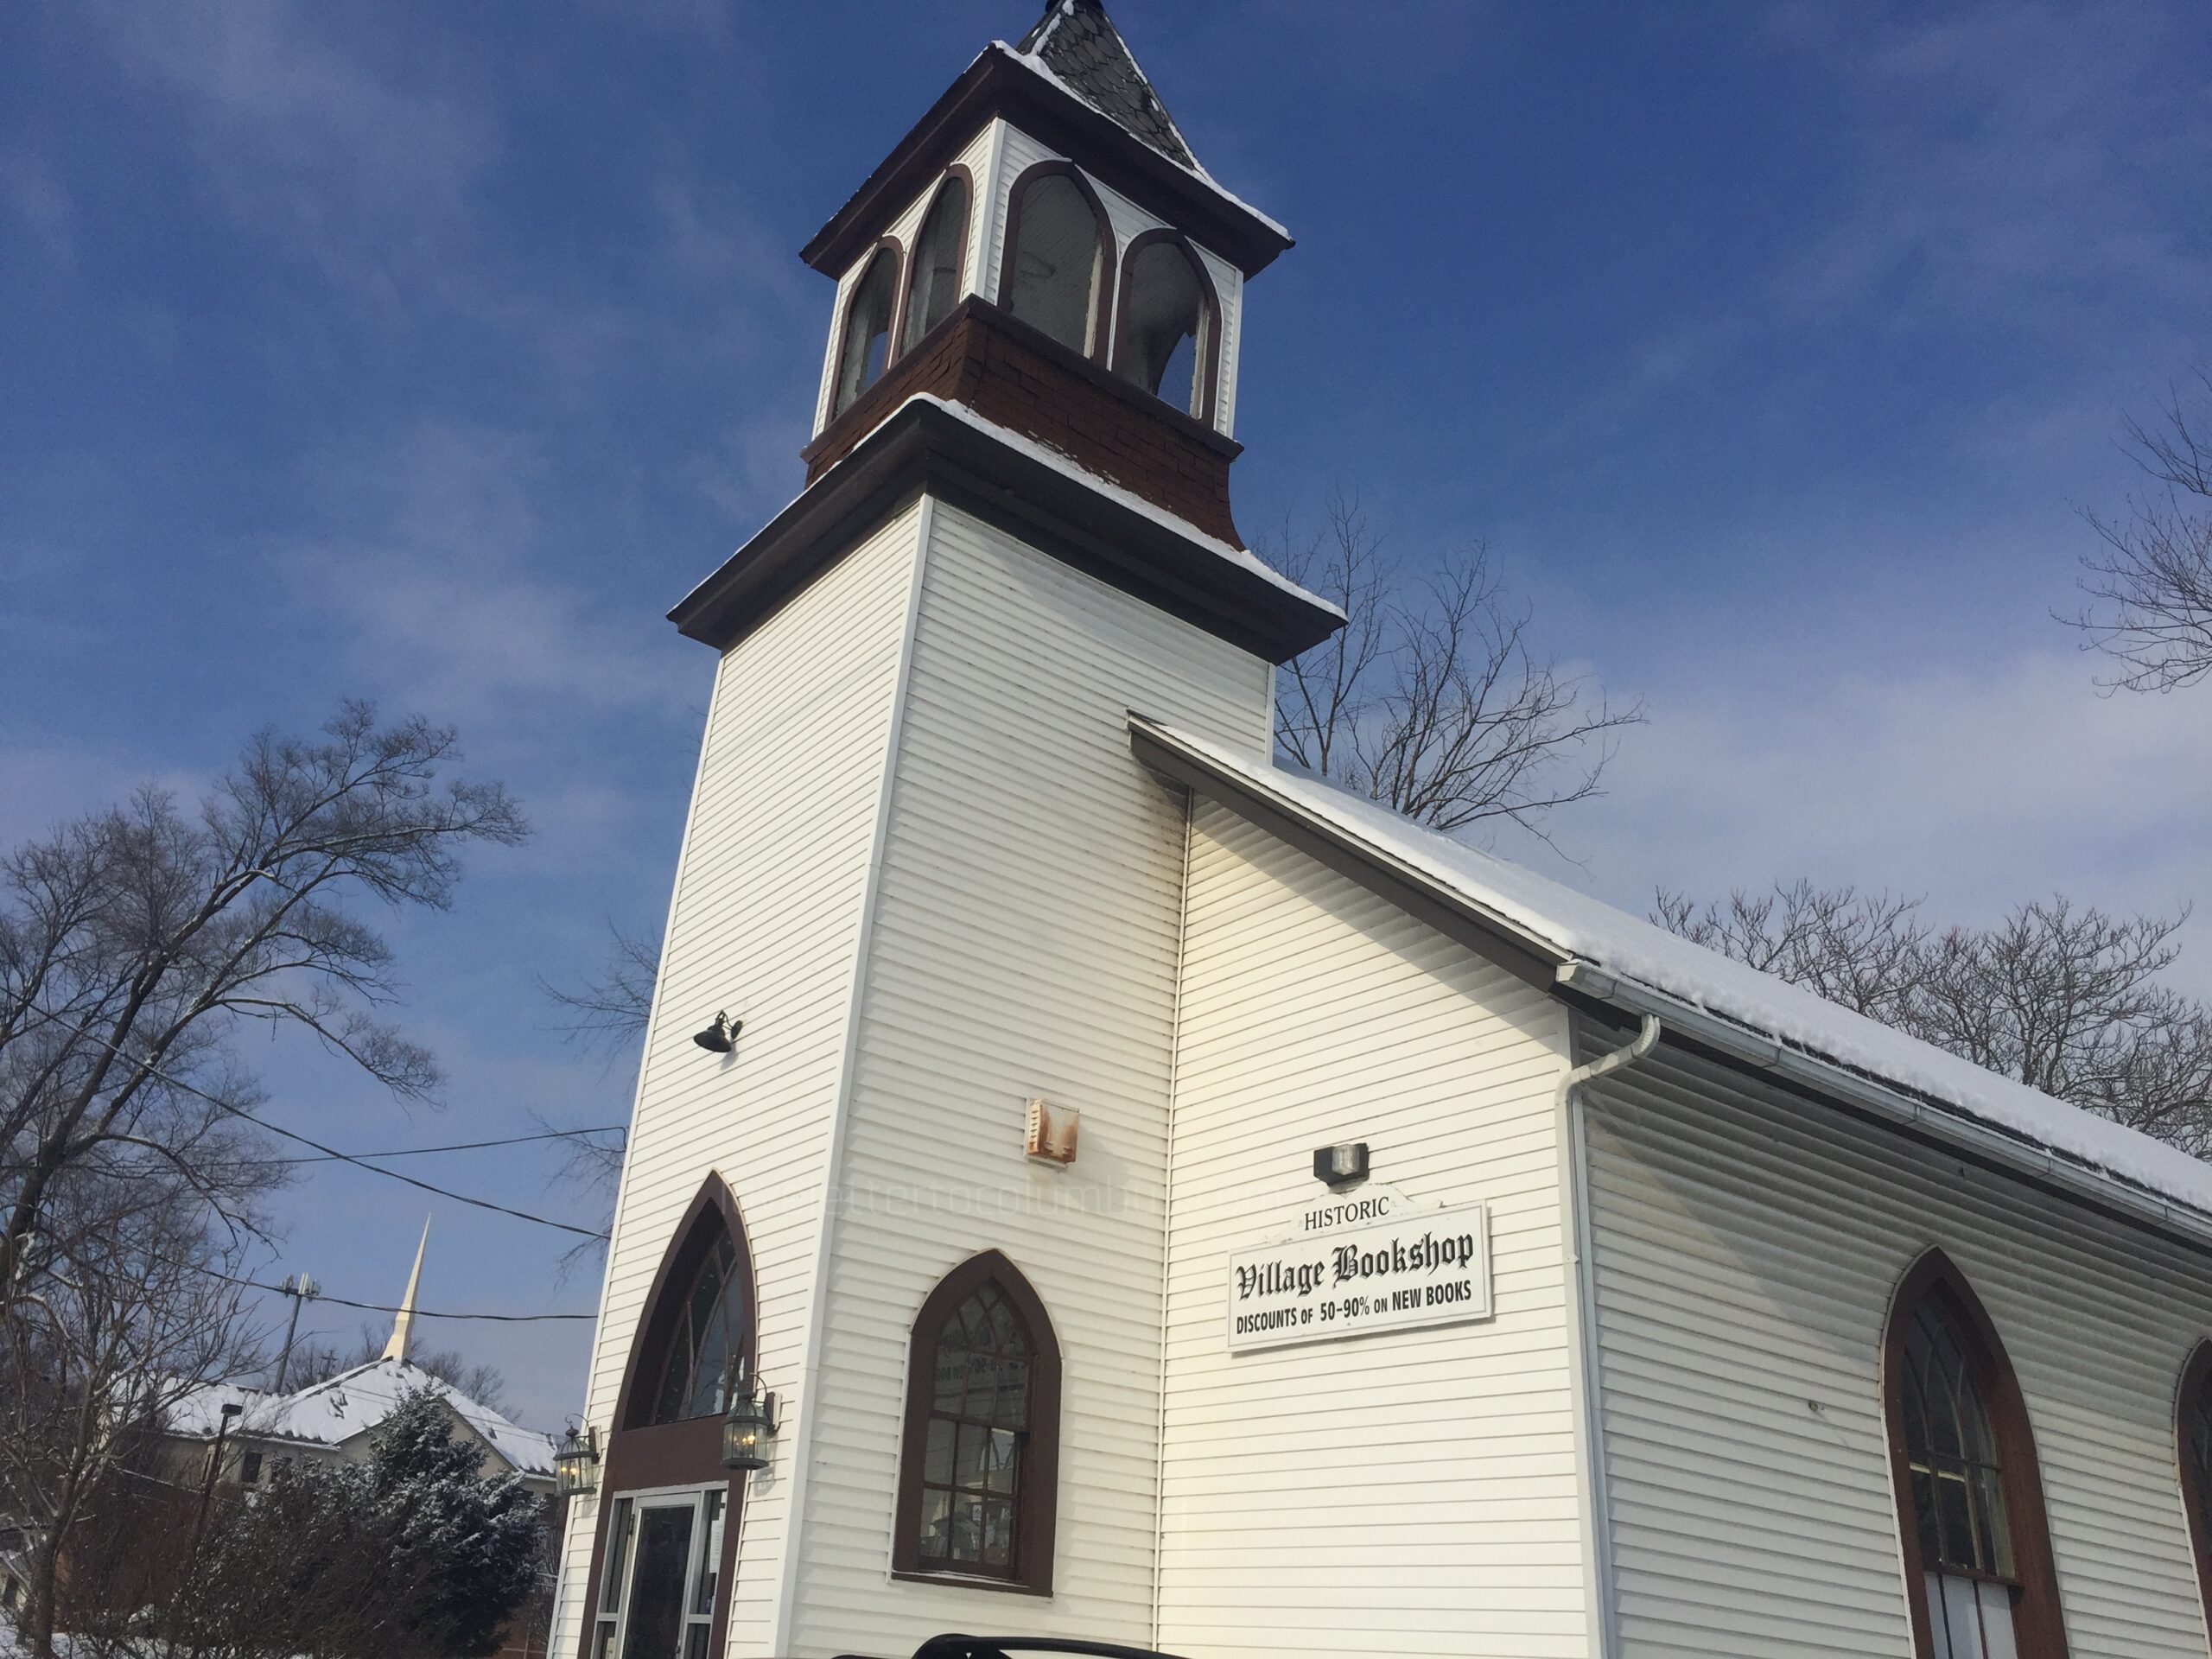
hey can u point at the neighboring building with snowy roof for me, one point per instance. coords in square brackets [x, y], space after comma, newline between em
[263, 1431]
[1223, 1216]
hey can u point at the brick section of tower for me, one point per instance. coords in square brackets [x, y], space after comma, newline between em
[1019, 378]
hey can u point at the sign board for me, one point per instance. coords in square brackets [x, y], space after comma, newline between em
[1420, 1267]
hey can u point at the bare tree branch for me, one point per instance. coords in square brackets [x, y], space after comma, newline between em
[1429, 700]
[2149, 585]
[2057, 995]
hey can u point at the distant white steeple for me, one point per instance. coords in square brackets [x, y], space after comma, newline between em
[403, 1325]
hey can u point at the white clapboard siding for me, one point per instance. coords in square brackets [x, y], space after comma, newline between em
[763, 922]
[1023, 943]
[1399, 1494]
[1746, 1245]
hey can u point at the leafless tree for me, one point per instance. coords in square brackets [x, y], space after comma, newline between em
[1862, 950]
[2062, 996]
[2150, 583]
[606, 1016]
[127, 1302]
[1430, 699]
[135, 943]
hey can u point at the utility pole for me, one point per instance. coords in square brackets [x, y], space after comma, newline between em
[300, 1288]
[199, 1521]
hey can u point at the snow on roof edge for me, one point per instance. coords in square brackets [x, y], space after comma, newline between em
[1196, 172]
[1061, 462]
[1634, 950]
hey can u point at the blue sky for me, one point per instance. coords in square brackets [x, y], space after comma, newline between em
[430, 353]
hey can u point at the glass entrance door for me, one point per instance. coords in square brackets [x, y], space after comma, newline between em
[663, 1556]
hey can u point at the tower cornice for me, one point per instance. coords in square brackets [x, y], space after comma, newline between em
[1002, 82]
[1045, 497]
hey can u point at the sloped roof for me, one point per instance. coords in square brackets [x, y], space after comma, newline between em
[1576, 932]
[1077, 42]
[330, 1413]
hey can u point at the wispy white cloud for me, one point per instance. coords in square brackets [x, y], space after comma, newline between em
[1979, 787]
[33, 194]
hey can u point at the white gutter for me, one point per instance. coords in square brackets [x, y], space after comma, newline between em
[1582, 1350]
[1841, 1083]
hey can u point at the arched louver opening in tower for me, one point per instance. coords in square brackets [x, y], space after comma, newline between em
[866, 346]
[1057, 269]
[1980, 1578]
[933, 280]
[1164, 341]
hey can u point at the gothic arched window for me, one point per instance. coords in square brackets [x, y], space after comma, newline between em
[866, 346]
[695, 1332]
[1979, 1576]
[933, 280]
[979, 1468]
[2193, 1442]
[1058, 267]
[1165, 340]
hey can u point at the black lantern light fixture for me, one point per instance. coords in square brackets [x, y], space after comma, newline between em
[575, 1462]
[1340, 1166]
[721, 1037]
[749, 1427]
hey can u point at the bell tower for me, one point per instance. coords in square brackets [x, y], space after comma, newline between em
[940, 901]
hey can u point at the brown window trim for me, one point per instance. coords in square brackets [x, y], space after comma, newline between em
[899, 274]
[1101, 303]
[1207, 371]
[957, 171]
[1038, 1500]
[2040, 1630]
[638, 1456]
[2196, 1503]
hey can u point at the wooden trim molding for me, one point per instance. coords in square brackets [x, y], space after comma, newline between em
[640, 1455]
[2195, 1498]
[2039, 1626]
[1102, 301]
[1037, 1488]
[1206, 371]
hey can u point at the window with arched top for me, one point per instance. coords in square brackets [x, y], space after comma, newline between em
[2193, 1448]
[979, 1465]
[1980, 1577]
[664, 1542]
[1164, 342]
[1058, 267]
[865, 347]
[933, 275]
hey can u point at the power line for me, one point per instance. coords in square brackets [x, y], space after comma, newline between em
[386, 1307]
[331, 1152]
[459, 1146]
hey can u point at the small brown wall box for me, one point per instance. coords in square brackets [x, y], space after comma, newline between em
[1048, 1132]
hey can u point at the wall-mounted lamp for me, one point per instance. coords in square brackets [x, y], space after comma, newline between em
[575, 1462]
[751, 1424]
[721, 1037]
[1340, 1165]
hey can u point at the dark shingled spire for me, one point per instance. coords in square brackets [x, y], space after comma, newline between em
[1077, 42]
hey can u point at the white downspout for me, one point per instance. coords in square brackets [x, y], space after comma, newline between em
[1582, 1349]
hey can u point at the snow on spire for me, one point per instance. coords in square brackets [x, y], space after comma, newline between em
[403, 1324]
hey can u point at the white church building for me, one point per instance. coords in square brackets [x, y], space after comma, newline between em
[1174, 1203]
